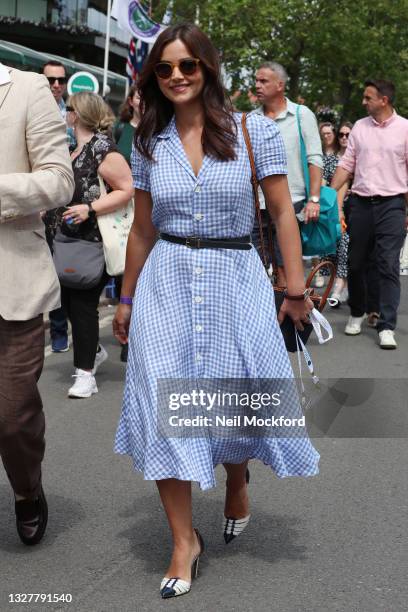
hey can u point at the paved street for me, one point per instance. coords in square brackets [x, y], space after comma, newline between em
[334, 543]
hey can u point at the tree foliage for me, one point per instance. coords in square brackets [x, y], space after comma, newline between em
[329, 47]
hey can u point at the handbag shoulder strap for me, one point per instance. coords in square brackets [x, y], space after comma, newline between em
[255, 184]
[303, 154]
[102, 186]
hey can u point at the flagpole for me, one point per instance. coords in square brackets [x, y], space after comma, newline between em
[107, 44]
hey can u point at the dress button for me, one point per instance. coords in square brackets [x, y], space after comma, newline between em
[198, 357]
[198, 299]
[199, 328]
[198, 216]
[197, 189]
[198, 270]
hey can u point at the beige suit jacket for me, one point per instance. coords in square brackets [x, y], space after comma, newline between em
[35, 175]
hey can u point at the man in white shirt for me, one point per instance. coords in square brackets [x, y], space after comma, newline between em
[270, 81]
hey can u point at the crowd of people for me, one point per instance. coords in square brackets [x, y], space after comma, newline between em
[203, 304]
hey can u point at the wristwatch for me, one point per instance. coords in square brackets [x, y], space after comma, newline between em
[91, 212]
[314, 199]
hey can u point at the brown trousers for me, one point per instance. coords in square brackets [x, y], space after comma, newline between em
[22, 422]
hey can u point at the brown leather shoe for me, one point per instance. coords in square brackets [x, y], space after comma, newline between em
[31, 519]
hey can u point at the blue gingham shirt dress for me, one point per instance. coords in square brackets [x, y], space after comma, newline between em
[204, 313]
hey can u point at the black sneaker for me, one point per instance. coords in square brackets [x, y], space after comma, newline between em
[31, 519]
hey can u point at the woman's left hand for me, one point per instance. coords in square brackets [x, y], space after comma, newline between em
[77, 212]
[298, 311]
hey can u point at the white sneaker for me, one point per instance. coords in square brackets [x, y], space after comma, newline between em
[353, 327]
[387, 339]
[84, 385]
[99, 359]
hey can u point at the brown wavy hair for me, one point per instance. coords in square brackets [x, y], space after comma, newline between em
[220, 130]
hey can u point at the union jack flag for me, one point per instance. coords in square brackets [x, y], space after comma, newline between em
[138, 51]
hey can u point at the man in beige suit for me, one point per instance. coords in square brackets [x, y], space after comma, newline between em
[35, 175]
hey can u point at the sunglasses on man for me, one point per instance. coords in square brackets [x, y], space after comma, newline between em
[187, 66]
[344, 134]
[61, 80]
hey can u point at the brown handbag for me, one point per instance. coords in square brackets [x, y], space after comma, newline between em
[319, 301]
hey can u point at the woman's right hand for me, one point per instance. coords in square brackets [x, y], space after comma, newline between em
[298, 311]
[120, 323]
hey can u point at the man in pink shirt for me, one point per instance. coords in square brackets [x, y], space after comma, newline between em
[377, 157]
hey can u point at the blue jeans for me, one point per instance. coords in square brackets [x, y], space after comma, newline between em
[58, 323]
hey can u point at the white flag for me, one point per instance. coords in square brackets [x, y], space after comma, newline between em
[132, 17]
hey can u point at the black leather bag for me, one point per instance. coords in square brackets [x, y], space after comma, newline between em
[287, 326]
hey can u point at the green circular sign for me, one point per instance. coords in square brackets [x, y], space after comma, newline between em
[82, 81]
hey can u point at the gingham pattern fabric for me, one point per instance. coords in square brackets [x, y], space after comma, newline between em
[205, 313]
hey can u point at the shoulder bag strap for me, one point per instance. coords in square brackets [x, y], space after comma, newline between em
[303, 154]
[255, 184]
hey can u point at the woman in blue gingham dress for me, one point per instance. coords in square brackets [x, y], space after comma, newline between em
[201, 313]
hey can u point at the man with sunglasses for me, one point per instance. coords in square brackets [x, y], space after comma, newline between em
[55, 73]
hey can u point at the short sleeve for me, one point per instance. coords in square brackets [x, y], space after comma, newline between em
[140, 170]
[268, 146]
[102, 146]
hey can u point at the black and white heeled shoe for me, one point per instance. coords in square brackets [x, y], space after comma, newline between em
[173, 587]
[233, 527]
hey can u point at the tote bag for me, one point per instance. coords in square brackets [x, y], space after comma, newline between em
[115, 228]
[319, 237]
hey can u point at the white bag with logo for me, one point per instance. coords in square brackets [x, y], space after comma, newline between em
[115, 227]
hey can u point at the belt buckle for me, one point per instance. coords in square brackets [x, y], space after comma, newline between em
[193, 242]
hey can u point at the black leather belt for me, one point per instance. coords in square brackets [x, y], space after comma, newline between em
[242, 243]
[378, 198]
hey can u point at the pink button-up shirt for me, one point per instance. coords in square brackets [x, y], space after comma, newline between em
[377, 155]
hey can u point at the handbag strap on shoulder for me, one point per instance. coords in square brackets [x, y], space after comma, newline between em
[303, 154]
[255, 184]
